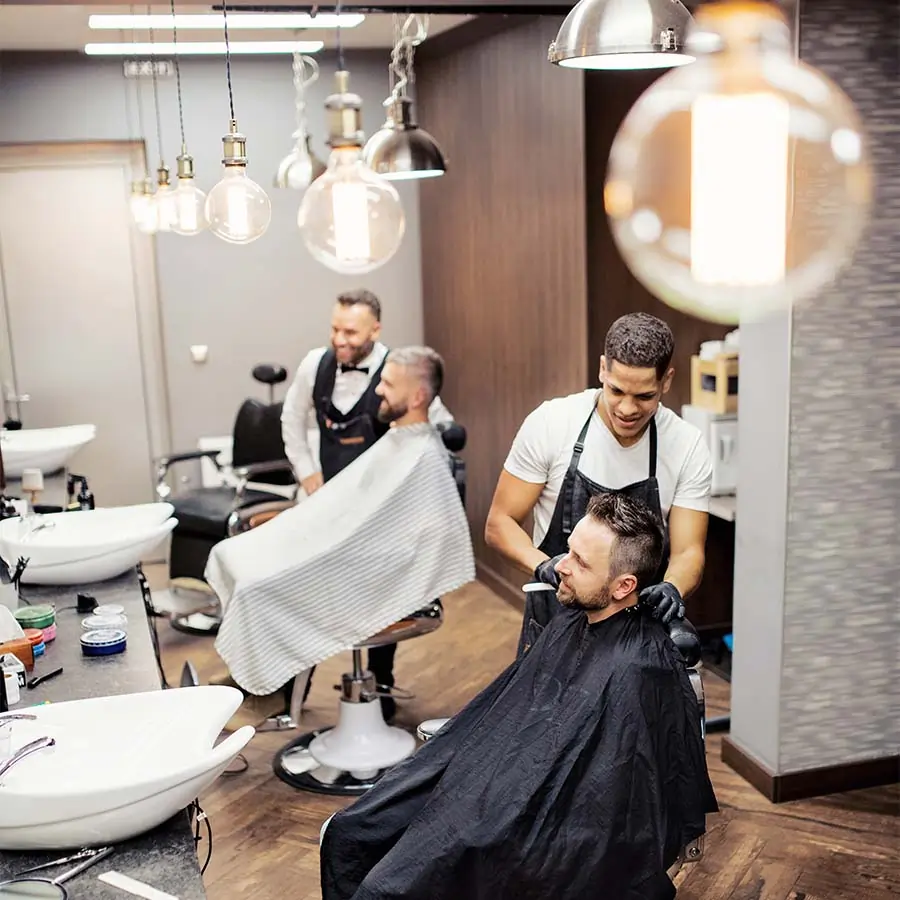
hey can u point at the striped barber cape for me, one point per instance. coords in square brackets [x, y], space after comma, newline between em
[377, 542]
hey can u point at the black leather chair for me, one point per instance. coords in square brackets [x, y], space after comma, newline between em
[204, 513]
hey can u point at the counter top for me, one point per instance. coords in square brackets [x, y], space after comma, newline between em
[165, 857]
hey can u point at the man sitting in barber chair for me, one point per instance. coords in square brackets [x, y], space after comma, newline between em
[579, 772]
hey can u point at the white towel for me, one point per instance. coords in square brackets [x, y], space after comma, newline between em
[379, 541]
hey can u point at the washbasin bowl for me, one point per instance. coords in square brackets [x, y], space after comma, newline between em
[86, 545]
[119, 767]
[47, 449]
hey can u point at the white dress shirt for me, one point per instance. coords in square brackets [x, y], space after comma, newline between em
[298, 417]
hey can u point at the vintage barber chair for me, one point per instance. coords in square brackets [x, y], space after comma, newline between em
[348, 758]
[686, 640]
[204, 513]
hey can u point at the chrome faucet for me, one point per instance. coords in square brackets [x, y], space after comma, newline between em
[7, 718]
[27, 750]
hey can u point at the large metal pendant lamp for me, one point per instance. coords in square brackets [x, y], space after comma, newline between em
[623, 34]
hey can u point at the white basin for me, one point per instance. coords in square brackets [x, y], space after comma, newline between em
[120, 766]
[47, 449]
[86, 545]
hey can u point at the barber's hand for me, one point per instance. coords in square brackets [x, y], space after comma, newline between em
[312, 483]
[546, 571]
[664, 600]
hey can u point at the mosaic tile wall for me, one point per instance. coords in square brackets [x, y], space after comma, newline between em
[840, 696]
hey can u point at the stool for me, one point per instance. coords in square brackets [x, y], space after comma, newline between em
[348, 759]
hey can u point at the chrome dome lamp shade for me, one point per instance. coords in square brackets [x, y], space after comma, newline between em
[400, 150]
[623, 34]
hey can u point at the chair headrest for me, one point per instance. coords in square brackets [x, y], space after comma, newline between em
[453, 435]
[269, 374]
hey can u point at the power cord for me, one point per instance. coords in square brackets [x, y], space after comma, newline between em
[198, 816]
[151, 613]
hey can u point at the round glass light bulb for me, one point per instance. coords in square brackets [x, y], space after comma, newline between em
[190, 208]
[142, 211]
[351, 219]
[166, 210]
[238, 210]
[741, 183]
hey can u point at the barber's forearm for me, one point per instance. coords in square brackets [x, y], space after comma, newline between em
[685, 570]
[507, 537]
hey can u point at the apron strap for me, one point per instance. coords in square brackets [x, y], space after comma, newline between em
[568, 485]
[653, 447]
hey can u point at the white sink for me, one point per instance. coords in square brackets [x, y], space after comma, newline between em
[47, 449]
[86, 545]
[120, 766]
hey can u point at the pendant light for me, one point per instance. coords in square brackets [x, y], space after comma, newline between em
[741, 183]
[301, 166]
[164, 196]
[140, 201]
[400, 150]
[189, 200]
[623, 34]
[351, 219]
[238, 210]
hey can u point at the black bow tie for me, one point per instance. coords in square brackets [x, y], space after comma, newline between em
[348, 368]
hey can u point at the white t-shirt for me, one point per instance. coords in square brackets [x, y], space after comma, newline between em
[541, 452]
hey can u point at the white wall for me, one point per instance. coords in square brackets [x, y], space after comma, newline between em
[265, 302]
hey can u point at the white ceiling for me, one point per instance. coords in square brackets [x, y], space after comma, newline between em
[66, 28]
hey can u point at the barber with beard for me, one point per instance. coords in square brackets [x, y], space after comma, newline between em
[334, 390]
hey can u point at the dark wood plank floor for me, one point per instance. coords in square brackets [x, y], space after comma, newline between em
[265, 834]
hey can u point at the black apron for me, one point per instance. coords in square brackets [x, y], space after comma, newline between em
[345, 436]
[574, 495]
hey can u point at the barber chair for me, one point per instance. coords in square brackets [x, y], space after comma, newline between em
[685, 639]
[347, 759]
[206, 514]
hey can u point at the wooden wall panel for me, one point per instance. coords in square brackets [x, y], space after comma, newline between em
[503, 243]
[612, 289]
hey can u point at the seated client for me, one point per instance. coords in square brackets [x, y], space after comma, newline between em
[579, 772]
[381, 539]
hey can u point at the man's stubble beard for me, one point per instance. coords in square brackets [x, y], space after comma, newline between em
[597, 601]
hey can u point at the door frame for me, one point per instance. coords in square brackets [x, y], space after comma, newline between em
[130, 157]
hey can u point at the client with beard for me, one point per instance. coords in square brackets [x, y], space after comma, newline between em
[382, 538]
[579, 772]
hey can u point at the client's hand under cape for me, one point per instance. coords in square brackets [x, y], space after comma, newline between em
[377, 542]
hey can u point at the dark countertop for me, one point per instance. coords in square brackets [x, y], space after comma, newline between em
[164, 858]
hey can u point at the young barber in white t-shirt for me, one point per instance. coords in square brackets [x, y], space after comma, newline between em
[598, 440]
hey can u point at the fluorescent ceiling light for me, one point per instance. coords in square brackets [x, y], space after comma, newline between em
[235, 21]
[201, 48]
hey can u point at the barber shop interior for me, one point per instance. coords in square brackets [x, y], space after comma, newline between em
[456, 455]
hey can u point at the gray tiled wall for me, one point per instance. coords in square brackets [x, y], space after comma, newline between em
[840, 684]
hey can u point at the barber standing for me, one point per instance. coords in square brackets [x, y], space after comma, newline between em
[618, 438]
[334, 390]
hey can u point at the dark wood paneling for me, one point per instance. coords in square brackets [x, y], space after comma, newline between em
[503, 243]
[612, 289]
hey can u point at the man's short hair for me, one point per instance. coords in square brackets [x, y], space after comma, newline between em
[639, 535]
[428, 364]
[640, 340]
[362, 297]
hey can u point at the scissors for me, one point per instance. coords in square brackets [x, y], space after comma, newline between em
[81, 854]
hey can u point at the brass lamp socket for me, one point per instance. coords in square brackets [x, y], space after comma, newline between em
[234, 144]
[162, 176]
[185, 166]
[344, 112]
[400, 115]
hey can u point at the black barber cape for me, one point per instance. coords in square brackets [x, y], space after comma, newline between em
[578, 774]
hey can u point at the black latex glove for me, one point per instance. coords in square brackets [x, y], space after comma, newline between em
[546, 571]
[664, 600]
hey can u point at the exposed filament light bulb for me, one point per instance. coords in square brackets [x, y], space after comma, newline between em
[238, 209]
[351, 219]
[164, 200]
[190, 201]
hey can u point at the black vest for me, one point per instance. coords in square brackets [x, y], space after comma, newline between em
[345, 436]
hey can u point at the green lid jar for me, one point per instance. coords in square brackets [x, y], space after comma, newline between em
[41, 616]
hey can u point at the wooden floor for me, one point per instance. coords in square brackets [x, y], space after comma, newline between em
[265, 833]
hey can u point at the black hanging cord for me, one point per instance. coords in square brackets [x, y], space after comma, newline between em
[340, 43]
[139, 95]
[228, 60]
[177, 75]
